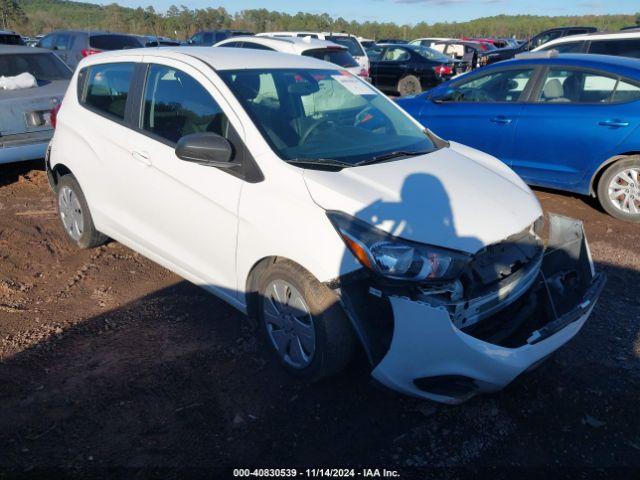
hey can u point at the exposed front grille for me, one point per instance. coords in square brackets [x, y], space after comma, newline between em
[499, 261]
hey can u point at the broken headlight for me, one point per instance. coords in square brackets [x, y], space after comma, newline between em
[396, 258]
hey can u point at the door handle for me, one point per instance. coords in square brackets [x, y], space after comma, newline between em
[142, 157]
[614, 123]
[501, 119]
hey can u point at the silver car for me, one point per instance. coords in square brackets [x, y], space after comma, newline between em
[25, 114]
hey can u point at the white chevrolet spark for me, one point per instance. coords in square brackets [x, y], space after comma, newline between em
[305, 198]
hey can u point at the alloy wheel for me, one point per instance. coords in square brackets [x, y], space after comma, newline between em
[624, 191]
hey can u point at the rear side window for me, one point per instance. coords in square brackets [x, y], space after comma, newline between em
[63, 41]
[232, 45]
[567, 47]
[394, 54]
[545, 37]
[577, 86]
[46, 67]
[350, 42]
[113, 42]
[10, 39]
[47, 42]
[256, 46]
[626, 92]
[338, 56]
[620, 48]
[176, 105]
[107, 88]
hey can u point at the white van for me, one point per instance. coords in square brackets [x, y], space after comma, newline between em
[302, 196]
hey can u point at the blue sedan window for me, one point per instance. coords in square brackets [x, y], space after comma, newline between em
[626, 92]
[501, 86]
[565, 85]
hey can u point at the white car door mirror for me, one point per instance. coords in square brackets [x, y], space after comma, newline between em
[208, 149]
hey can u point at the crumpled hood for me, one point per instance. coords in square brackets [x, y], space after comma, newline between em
[455, 197]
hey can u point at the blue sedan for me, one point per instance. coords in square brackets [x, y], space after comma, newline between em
[569, 122]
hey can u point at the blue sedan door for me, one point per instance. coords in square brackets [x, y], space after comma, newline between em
[574, 123]
[482, 111]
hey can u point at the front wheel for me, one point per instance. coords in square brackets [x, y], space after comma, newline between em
[409, 85]
[619, 190]
[303, 322]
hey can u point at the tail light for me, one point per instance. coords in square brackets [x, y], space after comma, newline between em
[89, 51]
[53, 115]
[443, 70]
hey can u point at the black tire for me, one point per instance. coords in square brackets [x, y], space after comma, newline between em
[603, 189]
[334, 339]
[409, 85]
[89, 237]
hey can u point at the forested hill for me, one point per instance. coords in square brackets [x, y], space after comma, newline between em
[180, 21]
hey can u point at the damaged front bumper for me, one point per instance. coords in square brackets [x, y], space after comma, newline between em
[451, 351]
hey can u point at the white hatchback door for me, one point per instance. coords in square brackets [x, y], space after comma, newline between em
[187, 213]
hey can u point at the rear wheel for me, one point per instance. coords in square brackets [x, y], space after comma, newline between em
[619, 189]
[75, 216]
[409, 85]
[303, 322]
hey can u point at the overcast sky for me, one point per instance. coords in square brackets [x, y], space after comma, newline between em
[410, 11]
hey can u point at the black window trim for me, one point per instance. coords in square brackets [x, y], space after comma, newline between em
[247, 170]
[618, 78]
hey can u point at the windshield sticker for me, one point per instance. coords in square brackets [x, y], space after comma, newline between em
[354, 85]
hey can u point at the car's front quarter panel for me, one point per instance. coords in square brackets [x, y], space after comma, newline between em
[278, 218]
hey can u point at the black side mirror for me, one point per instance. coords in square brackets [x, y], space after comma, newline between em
[208, 149]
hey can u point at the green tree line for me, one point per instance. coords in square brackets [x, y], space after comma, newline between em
[31, 17]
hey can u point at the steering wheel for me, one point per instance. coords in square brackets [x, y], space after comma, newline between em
[312, 129]
[478, 96]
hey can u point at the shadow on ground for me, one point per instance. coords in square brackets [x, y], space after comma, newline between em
[180, 379]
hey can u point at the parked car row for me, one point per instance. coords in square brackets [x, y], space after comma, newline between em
[302, 196]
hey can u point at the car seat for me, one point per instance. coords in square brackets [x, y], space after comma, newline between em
[553, 92]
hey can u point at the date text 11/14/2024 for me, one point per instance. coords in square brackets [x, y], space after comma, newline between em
[316, 473]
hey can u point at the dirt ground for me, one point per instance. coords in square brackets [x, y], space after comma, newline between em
[110, 361]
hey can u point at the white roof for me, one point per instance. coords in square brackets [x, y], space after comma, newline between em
[593, 37]
[218, 58]
[293, 34]
[437, 39]
[294, 45]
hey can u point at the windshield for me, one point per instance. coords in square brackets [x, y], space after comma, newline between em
[315, 115]
[429, 53]
[350, 42]
[46, 67]
[338, 56]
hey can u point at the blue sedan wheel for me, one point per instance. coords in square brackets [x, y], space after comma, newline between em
[619, 189]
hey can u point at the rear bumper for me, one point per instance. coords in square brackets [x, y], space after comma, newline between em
[23, 147]
[424, 348]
